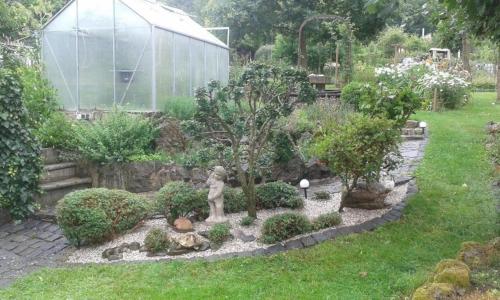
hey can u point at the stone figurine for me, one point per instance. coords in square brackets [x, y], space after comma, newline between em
[215, 195]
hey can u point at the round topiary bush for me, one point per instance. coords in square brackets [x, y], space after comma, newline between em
[284, 226]
[156, 240]
[278, 194]
[327, 220]
[94, 215]
[179, 199]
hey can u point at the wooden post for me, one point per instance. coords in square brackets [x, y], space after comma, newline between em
[435, 100]
[337, 66]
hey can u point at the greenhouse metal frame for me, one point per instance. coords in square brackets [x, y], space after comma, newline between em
[138, 54]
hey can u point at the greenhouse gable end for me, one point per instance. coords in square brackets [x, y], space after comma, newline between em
[133, 53]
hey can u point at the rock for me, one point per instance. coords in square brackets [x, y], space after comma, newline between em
[411, 124]
[452, 271]
[108, 252]
[122, 248]
[198, 176]
[203, 247]
[434, 291]
[367, 196]
[134, 246]
[215, 246]
[290, 171]
[175, 252]
[116, 256]
[203, 233]
[476, 255]
[492, 128]
[143, 249]
[191, 241]
[183, 225]
[237, 233]
[316, 169]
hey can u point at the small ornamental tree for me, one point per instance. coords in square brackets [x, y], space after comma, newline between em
[20, 163]
[359, 149]
[243, 115]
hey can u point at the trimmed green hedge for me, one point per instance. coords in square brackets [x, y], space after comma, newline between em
[92, 216]
[284, 226]
[278, 194]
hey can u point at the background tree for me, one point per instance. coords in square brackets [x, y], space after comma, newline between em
[243, 115]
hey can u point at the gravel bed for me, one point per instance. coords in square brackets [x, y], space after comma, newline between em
[312, 209]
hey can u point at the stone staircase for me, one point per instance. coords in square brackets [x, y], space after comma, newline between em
[58, 179]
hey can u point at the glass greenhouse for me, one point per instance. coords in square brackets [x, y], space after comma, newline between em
[138, 54]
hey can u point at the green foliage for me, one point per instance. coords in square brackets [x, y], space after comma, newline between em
[157, 156]
[157, 240]
[322, 195]
[20, 162]
[179, 199]
[278, 194]
[264, 53]
[389, 37]
[483, 81]
[219, 233]
[283, 147]
[453, 97]
[247, 221]
[356, 93]
[327, 220]
[284, 226]
[38, 96]
[234, 200]
[94, 215]
[181, 108]
[394, 104]
[57, 132]
[359, 148]
[115, 138]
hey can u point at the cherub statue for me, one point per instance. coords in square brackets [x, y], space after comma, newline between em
[215, 195]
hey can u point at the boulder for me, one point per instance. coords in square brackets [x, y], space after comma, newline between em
[316, 169]
[183, 225]
[454, 272]
[477, 255]
[435, 291]
[367, 196]
[237, 233]
[290, 171]
[189, 241]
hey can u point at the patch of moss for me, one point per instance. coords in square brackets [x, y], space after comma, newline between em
[454, 272]
[476, 255]
[432, 291]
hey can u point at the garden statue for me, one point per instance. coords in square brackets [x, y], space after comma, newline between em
[215, 195]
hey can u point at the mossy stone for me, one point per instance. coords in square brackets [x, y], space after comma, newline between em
[476, 255]
[433, 291]
[454, 272]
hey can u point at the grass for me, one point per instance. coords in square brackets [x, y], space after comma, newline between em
[397, 258]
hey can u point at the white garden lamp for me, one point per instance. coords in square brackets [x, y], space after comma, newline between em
[304, 184]
[422, 125]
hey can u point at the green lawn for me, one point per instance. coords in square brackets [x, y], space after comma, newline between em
[396, 257]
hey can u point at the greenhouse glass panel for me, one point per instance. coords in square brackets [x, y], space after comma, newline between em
[164, 67]
[133, 67]
[211, 53]
[65, 20]
[95, 63]
[59, 54]
[127, 18]
[197, 64]
[182, 66]
[223, 59]
[95, 14]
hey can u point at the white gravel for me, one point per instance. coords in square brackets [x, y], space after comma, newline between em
[311, 209]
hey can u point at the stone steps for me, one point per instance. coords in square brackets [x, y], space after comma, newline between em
[53, 191]
[58, 171]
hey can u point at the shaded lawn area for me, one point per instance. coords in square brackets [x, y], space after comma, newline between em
[396, 257]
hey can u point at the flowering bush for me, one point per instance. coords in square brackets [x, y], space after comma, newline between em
[451, 88]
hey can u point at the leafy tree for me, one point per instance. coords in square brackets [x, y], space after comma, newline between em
[358, 149]
[243, 115]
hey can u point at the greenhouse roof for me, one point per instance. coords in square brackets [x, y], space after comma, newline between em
[165, 17]
[171, 19]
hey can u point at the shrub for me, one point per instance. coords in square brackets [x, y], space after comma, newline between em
[327, 220]
[94, 215]
[116, 138]
[219, 233]
[179, 199]
[322, 195]
[278, 194]
[57, 132]
[358, 149]
[356, 93]
[284, 226]
[20, 162]
[157, 240]
[247, 221]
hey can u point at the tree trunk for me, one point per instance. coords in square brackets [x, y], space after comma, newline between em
[466, 53]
